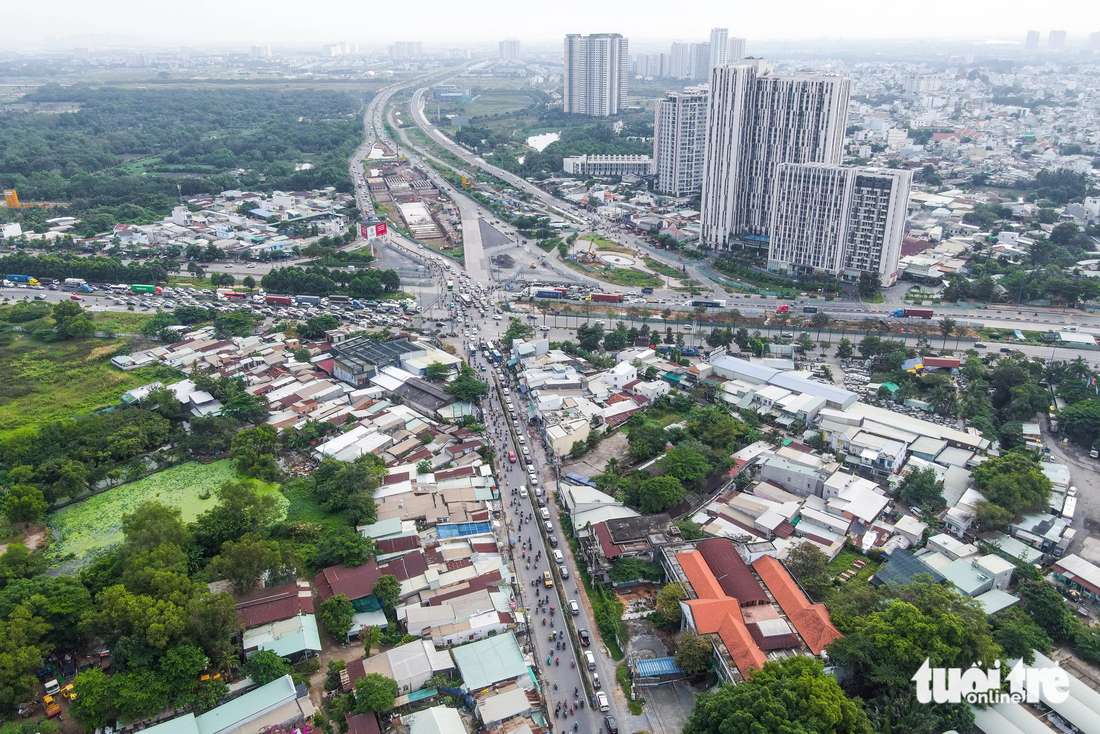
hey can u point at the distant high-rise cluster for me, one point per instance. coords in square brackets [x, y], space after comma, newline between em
[1031, 43]
[1056, 40]
[596, 70]
[509, 49]
[330, 50]
[691, 61]
[261, 52]
[406, 49]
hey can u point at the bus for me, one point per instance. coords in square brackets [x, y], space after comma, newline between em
[719, 303]
[466, 298]
[450, 285]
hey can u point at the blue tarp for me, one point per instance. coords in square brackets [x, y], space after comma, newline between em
[457, 530]
[657, 666]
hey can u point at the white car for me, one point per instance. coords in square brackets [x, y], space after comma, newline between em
[523, 492]
[601, 701]
[574, 607]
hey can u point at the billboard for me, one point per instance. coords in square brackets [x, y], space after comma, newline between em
[372, 230]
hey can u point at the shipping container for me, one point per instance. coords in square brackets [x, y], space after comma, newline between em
[918, 313]
[311, 300]
[713, 303]
[544, 293]
[279, 300]
[608, 297]
[23, 279]
[339, 299]
[136, 288]
[809, 309]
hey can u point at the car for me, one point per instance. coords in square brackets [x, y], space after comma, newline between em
[74, 297]
[601, 701]
[553, 541]
[596, 681]
[979, 345]
[586, 640]
[523, 492]
[1094, 454]
[611, 725]
[574, 607]
[563, 572]
[1071, 492]
[526, 451]
[547, 579]
[38, 297]
[548, 525]
[512, 456]
[1005, 350]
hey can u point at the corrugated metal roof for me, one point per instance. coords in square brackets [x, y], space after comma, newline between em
[733, 574]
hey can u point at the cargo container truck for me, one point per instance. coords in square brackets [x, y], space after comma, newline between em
[73, 284]
[311, 300]
[136, 288]
[607, 297]
[279, 300]
[546, 293]
[809, 309]
[23, 279]
[339, 299]
[916, 313]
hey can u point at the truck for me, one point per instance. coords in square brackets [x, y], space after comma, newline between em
[809, 309]
[136, 288]
[783, 309]
[339, 299]
[607, 297]
[647, 290]
[915, 313]
[311, 300]
[73, 284]
[23, 279]
[548, 293]
[53, 708]
[279, 300]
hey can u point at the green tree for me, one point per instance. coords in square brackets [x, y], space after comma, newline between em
[388, 590]
[265, 666]
[1013, 482]
[245, 563]
[844, 348]
[341, 545]
[437, 372]
[689, 530]
[336, 614]
[18, 562]
[254, 450]
[25, 503]
[689, 466]
[95, 701]
[886, 645]
[921, 487]
[658, 494]
[693, 653]
[375, 692]
[1018, 635]
[152, 525]
[241, 509]
[466, 387]
[810, 566]
[423, 467]
[794, 696]
[668, 603]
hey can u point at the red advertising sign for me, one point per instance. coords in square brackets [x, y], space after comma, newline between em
[380, 229]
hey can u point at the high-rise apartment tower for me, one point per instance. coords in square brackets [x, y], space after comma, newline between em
[679, 141]
[596, 70]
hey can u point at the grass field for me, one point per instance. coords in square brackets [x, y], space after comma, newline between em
[120, 322]
[42, 382]
[95, 525]
[844, 561]
[618, 276]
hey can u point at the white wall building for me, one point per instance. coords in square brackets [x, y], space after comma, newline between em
[608, 165]
[719, 47]
[596, 69]
[837, 220]
[679, 141]
[756, 121]
[510, 49]
[736, 50]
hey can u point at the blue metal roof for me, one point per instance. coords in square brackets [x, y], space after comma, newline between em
[657, 666]
[457, 530]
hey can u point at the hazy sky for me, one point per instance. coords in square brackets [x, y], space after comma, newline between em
[461, 23]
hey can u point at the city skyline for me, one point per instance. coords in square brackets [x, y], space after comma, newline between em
[494, 19]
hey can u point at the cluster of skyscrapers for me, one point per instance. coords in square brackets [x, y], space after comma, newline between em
[691, 61]
[763, 151]
[406, 49]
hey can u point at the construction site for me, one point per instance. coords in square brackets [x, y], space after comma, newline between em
[429, 215]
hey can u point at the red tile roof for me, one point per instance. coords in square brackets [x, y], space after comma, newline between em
[811, 620]
[363, 723]
[739, 642]
[273, 604]
[733, 574]
[355, 582]
[610, 550]
[946, 362]
[387, 546]
[700, 576]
